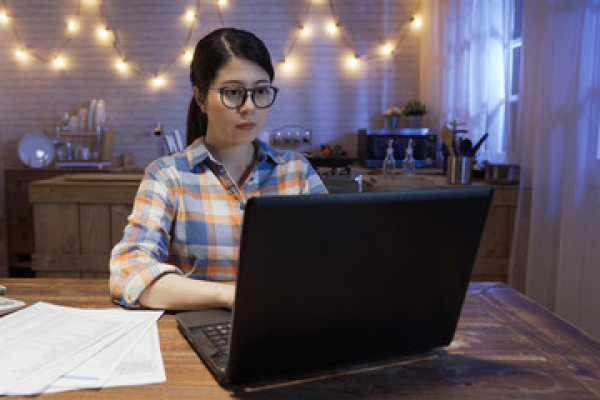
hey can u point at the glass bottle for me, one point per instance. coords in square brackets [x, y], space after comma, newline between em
[389, 164]
[409, 164]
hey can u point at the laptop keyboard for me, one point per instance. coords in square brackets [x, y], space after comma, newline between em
[218, 336]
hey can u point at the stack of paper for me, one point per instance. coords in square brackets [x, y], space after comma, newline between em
[48, 348]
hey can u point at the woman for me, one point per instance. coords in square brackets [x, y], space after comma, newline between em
[186, 219]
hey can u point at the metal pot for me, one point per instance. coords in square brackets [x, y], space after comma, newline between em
[506, 174]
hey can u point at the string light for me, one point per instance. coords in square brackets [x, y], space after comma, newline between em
[352, 61]
[122, 65]
[158, 81]
[72, 25]
[417, 21]
[59, 62]
[103, 33]
[387, 49]
[4, 17]
[332, 28]
[287, 65]
[190, 15]
[306, 31]
[21, 54]
[187, 55]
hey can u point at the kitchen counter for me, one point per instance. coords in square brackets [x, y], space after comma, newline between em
[79, 218]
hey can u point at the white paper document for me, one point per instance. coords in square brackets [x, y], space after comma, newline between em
[50, 348]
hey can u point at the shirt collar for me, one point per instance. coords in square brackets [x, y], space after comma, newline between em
[197, 153]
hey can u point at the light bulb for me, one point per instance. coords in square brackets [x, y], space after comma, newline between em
[352, 62]
[187, 55]
[158, 81]
[21, 54]
[417, 21]
[305, 31]
[387, 49]
[332, 28]
[59, 62]
[190, 15]
[4, 17]
[287, 65]
[103, 33]
[222, 3]
[72, 25]
[122, 65]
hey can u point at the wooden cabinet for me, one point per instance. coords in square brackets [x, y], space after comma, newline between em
[78, 219]
[493, 257]
[18, 224]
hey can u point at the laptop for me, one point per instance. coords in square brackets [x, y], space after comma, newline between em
[331, 281]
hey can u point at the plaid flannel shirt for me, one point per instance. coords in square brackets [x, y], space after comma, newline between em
[188, 212]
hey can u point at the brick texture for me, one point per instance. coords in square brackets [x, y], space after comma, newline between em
[320, 93]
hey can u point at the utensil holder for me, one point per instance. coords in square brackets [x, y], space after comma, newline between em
[459, 170]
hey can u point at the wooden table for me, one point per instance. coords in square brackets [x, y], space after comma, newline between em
[506, 347]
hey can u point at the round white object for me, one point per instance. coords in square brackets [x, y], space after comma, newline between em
[36, 150]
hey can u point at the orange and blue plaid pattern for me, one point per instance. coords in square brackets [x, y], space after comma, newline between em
[188, 213]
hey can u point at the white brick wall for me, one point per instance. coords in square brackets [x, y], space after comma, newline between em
[321, 94]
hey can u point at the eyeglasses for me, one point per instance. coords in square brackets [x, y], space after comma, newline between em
[234, 97]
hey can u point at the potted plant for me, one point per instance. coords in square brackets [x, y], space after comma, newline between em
[414, 110]
[392, 115]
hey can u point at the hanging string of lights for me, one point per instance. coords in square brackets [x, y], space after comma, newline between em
[108, 33]
[124, 65]
[304, 30]
[23, 51]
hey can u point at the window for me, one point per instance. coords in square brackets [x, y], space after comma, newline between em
[514, 62]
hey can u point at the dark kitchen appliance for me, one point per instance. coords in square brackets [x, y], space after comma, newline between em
[372, 144]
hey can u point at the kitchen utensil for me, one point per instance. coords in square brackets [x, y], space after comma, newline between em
[448, 138]
[464, 147]
[506, 174]
[478, 145]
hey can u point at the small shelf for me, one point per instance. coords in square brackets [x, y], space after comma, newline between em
[80, 133]
[83, 164]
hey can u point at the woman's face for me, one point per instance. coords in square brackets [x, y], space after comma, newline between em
[230, 127]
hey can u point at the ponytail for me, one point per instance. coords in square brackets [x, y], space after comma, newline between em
[196, 122]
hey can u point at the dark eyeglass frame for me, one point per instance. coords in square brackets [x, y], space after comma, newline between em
[245, 96]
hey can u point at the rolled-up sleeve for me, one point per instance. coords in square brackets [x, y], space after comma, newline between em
[139, 258]
[313, 183]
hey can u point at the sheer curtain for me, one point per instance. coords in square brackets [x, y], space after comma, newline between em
[464, 72]
[556, 253]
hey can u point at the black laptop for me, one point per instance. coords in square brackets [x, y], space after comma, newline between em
[329, 281]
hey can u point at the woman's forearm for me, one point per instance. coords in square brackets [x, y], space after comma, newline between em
[176, 292]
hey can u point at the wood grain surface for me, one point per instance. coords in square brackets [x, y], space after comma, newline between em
[506, 347]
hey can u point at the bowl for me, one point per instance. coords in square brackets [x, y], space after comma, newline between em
[503, 174]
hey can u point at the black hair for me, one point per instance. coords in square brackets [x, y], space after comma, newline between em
[211, 53]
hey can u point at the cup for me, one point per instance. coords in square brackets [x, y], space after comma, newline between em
[82, 153]
[459, 170]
